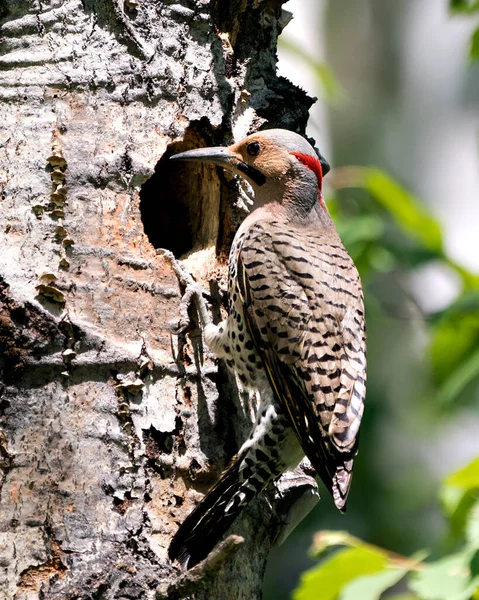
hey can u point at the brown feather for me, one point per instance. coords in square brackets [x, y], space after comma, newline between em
[307, 325]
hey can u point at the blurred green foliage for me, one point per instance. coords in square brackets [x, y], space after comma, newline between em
[468, 7]
[464, 6]
[417, 241]
[361, 571]
[331, 91]
[475, 45]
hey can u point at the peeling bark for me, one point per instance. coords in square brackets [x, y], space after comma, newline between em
[110, 428]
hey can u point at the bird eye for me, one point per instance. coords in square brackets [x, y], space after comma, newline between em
[253, 148]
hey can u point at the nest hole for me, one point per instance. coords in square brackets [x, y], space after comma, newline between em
[180, 203]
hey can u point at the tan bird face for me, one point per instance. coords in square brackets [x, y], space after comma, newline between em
[262, 154]
[276, 162]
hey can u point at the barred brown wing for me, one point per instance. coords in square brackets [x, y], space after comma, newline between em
[303, 306]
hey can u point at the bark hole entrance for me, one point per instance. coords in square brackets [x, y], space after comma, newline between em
[180, 203]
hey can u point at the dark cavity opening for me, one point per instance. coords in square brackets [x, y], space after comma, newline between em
[180, 203]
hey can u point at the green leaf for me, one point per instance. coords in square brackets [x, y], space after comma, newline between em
[474, 50]
[455, 343]
[446, 579]
[405, 209]
[367, 228]
[472, 527]
[467, 303]
[457, 382]
[464, 6]
[457, 505]
[370, 587]
[466, 478]
[325, 581]
[459, 494]
[423, 238]
[327, 538]
[470, 280]
[474, 565]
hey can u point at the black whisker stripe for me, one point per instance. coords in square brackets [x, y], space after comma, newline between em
[252, 173]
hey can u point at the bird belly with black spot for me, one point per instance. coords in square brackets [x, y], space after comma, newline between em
[241, 355]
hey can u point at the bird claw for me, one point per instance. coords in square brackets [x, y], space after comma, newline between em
[296, 494]
[192, 292]
[184, 322]
[182, 274]
[176, 326]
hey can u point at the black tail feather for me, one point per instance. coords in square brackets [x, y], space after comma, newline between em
[206, 525]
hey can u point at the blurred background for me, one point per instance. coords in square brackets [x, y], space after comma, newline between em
[397, 117]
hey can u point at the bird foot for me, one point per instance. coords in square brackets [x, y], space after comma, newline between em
[193, 293]
[295, 495]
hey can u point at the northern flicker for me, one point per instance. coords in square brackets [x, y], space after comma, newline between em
[294, 333]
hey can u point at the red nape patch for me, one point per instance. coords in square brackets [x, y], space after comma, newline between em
[313, 163]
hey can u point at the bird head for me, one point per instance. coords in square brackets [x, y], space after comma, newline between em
[281, 166]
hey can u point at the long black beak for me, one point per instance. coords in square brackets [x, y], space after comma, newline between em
[217, 156]
[223, 157]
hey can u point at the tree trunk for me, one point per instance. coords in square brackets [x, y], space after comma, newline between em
[110, 427]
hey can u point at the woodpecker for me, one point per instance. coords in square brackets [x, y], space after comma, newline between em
[294, 333]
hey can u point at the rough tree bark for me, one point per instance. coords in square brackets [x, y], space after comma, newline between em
[110, 428]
